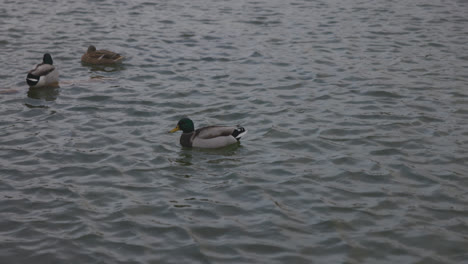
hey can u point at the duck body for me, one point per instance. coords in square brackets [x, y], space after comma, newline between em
[44, 74]
[208, 137]
[93, 56]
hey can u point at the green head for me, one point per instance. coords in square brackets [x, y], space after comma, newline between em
[185, 124]
[47, 59]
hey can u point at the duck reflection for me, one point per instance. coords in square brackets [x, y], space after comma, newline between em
[104, 68]
[229, 153]
[185, 158]
[49, 93]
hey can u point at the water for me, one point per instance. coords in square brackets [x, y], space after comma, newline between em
[356, 152]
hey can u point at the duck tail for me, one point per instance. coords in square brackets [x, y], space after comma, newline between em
[32, 79]
[239, 132]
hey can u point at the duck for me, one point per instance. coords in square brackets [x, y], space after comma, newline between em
[44, 74]
[93, 56]
[208, 137]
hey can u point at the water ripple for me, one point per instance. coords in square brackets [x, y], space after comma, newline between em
[356, 148]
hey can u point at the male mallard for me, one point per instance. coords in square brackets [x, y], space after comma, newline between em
[94, 56]
[207, 137]
[44, 74]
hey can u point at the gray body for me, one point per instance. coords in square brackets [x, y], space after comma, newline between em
[209, 137]
[42, 75]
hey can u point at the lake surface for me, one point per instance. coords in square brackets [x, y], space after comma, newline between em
[357, 148]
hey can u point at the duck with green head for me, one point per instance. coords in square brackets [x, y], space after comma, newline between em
[207, 137]
[44, 74]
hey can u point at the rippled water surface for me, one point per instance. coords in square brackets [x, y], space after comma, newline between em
[357, 114]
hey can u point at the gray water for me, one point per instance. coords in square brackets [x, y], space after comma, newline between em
[356, 152]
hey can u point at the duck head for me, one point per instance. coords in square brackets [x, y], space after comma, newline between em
[184, 124]
[47, 59]
[91, 49]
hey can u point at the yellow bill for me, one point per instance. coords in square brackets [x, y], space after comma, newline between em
[175, 129]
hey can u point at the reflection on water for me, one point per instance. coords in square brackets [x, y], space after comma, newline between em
[214, 156]
[185, 158]
[104, 68]
[44, 93]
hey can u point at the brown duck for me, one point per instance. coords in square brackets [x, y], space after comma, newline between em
[93, 56]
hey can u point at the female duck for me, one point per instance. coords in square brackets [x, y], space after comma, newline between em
[44, 74]
[93, 56]
[207, 137]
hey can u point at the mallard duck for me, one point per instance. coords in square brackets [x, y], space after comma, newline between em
[207, 137]
[44, 74]
[93, 56]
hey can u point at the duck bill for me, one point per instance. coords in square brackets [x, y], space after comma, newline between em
[175, 129]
